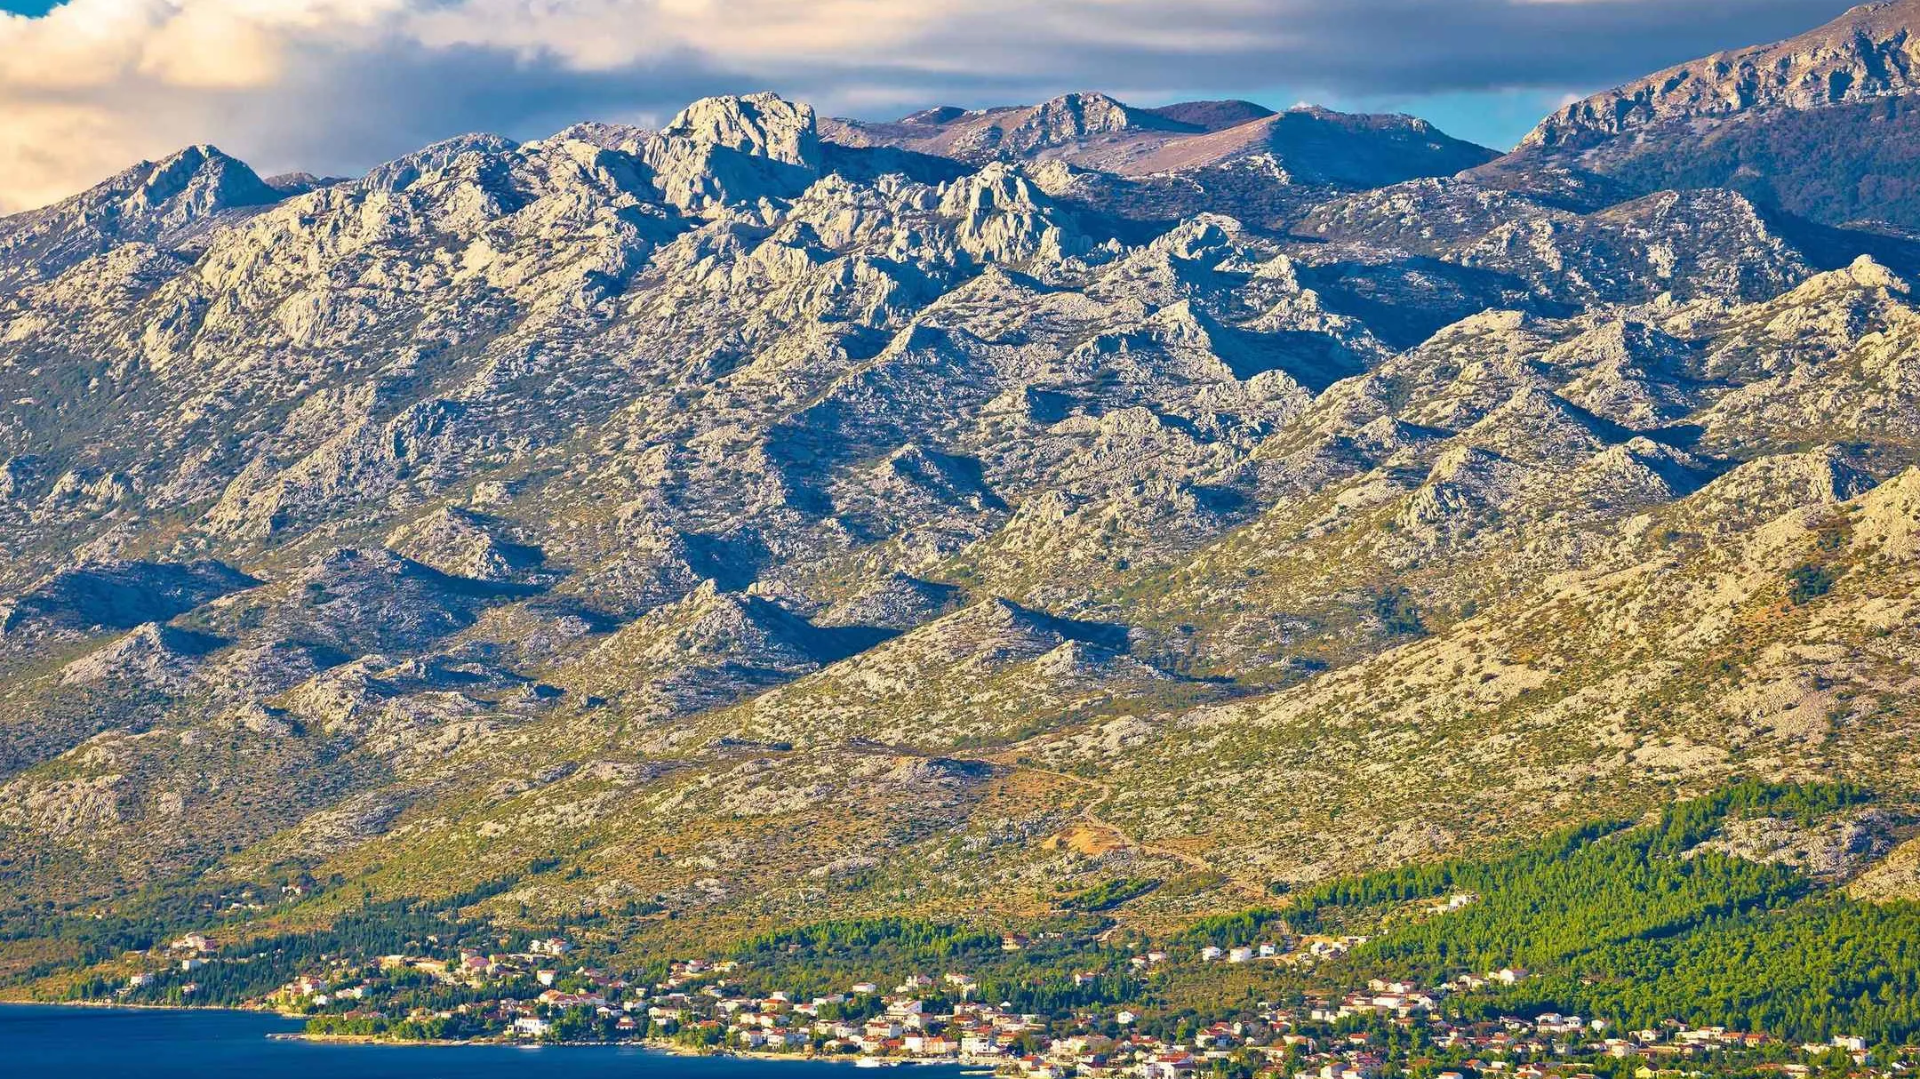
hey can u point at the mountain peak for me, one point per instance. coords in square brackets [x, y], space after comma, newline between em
[197, 181]
[163, 202]
[762, 125]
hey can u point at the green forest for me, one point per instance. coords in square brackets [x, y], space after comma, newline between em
[1638, 925]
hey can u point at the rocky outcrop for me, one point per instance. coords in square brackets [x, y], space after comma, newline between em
[152, 657]
[461, 543]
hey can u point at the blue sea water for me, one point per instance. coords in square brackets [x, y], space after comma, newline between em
[109, 1043]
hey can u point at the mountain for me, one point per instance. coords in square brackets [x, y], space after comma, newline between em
[164, 203]
[1097, 132]
[1822, 125]
[1865, 54]
[678, 534]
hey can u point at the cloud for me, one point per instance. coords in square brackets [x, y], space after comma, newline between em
[336, 85]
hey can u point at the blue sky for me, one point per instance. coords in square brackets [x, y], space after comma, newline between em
[335, 86]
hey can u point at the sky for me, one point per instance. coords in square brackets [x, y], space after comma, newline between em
[89, 87]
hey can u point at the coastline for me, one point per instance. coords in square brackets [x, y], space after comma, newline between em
[666, 1048]
[122, 1006]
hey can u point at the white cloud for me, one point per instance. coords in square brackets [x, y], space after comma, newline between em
[340, 84]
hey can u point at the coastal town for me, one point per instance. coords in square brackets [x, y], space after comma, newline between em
[1383, 1029]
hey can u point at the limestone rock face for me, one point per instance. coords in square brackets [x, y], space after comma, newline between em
[736, 150]
[761, 125]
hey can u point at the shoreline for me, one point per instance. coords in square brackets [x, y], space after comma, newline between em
[119, 1005]
[664, 1048]
[649, 1046]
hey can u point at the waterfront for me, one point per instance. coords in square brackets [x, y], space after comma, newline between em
[85, 1043]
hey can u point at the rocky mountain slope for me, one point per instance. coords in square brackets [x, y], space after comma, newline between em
[1822, 125]
[1866, 53]
[760, 517]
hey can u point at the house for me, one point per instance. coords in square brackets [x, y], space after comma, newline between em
[1240, 955]
[920, 1043]
[137, 981]
[1167, 1066]
[528, 1026]
[1211, 954]
[192, 942]
[976, 1044]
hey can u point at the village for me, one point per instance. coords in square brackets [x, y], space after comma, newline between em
[1382, 1030]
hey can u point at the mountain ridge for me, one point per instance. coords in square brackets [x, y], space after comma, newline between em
[1821, 125]
[1866, 52]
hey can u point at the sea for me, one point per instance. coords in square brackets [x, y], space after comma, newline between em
[51, 1042]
